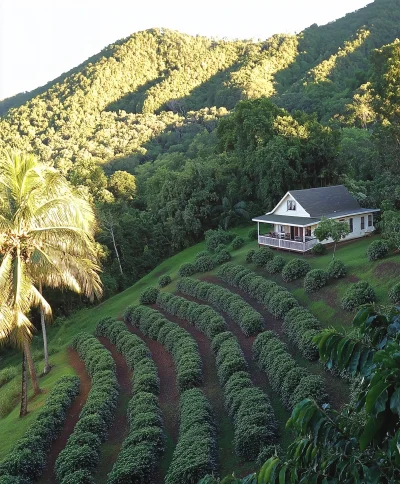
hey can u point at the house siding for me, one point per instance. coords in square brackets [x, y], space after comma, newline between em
[282, 208]
[357, 231]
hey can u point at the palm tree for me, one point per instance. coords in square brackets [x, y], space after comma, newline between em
[46, 239]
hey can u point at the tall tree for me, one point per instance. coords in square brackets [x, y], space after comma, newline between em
[331, 229]
[46, 238]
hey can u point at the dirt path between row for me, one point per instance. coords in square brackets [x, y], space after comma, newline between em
[119, 428]
[48, 476]
[336, 387]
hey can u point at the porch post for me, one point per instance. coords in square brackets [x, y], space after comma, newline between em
[258, 229]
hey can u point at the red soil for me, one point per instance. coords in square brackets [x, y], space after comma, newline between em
[77, 364]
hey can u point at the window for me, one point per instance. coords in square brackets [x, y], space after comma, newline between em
[369, 220]
[291, 205]
[362, 223]
[351, 225]
[281, 228]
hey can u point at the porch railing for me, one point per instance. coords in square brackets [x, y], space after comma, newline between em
[287, 244]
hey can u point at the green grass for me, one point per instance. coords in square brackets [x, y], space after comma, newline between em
[325, 304]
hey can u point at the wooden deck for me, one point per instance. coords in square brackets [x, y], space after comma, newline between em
[286, 244]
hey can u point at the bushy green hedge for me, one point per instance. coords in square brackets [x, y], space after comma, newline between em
[249, 320]
[196, 453]
[336, 269]
[96, 415]
[291, 382]
[295, 269]
[315, 280]
[252, 234]
[214, 238]
[27, 458]
[250, 255]
[203, 317]
[149, 295]
[237, 243]
[204, 263]
[356, 295]
[318, 249]
[276, 299]
[394, 294]
[275, 265]
[187, 269]
[222, 256]
[377, 249]
[203, 253]
[177, 341]
[262, 255]
[249, 408]
[163, 281]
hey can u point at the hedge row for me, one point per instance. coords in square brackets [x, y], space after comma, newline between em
[248, 406]
[203, 317]
[177, 341]
[195, 454]
[277, 300]
[80, 456]
[141, 450]
[28, 457]
[291, 382]
[249, 320]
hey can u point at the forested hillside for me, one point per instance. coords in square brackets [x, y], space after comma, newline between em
[152, 130]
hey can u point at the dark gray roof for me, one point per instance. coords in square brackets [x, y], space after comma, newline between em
[285, 219]
[326, 200]
[351, 212]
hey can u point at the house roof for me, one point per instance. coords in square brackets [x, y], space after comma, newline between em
[325, 201]
[285, 219]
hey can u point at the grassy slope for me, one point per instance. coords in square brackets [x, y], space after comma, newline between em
[381, 274]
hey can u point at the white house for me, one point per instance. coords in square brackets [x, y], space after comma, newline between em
[297, 215]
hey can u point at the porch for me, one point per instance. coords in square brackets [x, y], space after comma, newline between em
[286, 243]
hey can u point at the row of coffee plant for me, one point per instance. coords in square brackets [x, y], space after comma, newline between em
[249, 408]
[292, 382]
[195, 454]
[80, 456]
[249, 320]
[27, 459]
[277, 300]
[203, 317]
[141, 450]
[177, 341]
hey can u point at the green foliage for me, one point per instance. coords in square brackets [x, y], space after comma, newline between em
[394, 294]
[356, 295]
[204, 264]
[250, 255]
[187, 270]
[252, 234]
[249, 320]
[28, 456]
[318, 249]
[377, 249]
[98, 412]
[163, 281]
[237, 243]
[315, 280]
[391, 226]
[336, 269]
[275, 265]
[222, 256]
[149, 295]
[214, 238]
[7, 374]
[329, 228]
[301, 326]
[295, 269]
[261, 256]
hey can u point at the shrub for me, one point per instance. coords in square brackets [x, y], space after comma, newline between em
[252, 234]
[164, 280]
[222, 256]
[377, 249]
[28, 456]
[7, 374]
[203, 253]
[315, 280]
[336, 269]
[250, 255]
[300, 326]
[262, 256]
[267, 452]
[149, 295]
[356, 295]
[295, 269]
[204, 264]
[310, 386]
[318, 249]
[214, 238]
[275, 265]
[394, 294]
[237, 243]
[186, 269]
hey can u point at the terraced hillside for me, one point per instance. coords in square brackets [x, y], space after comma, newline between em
[195, 377]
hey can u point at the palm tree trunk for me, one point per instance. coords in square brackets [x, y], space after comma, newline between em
[116, 251]
[24, 390]
[31, 366]
[47, 366]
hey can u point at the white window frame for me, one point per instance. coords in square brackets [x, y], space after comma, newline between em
[290, 205]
